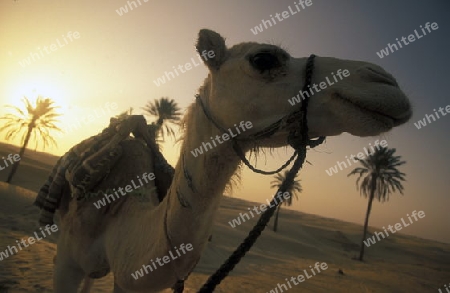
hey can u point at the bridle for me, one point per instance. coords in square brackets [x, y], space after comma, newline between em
[296, 121]
[297, 124]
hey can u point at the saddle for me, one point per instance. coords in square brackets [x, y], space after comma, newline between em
[86, 164]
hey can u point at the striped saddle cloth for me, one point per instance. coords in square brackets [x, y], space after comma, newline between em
[88, 162]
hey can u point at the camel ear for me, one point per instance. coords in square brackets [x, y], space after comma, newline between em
[212, 49]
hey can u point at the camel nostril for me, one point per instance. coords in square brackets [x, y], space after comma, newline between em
[379, 75]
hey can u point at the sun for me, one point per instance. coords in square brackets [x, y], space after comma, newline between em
[38, 86]
[34, 84]
[31, 86]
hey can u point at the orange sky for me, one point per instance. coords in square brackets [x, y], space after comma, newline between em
[113, 62]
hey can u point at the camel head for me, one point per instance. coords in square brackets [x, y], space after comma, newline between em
[255, 82]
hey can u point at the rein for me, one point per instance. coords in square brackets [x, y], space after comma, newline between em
[297, 137]
[297, 124]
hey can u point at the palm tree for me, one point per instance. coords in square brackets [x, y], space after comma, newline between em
[167, 112]
[151, 127]
[380, 178]
[293, 191]
[33, 122]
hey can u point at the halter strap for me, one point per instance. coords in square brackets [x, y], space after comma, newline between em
[297, 123]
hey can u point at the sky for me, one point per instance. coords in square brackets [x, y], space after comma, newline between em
[102, 63]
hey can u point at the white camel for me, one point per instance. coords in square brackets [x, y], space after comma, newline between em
[247, 82]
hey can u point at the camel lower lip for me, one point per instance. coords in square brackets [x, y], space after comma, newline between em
[381, 117]
[375, 115]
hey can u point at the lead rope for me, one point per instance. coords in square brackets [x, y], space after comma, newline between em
[299, 140]
[267, 132]
[254, 234]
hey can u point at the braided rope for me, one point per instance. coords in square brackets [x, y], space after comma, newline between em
[254, 234]
[241, 155]
[296, 137]
[299, 140]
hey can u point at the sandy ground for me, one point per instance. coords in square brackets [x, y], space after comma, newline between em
[398, 263]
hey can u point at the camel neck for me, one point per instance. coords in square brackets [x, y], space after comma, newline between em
[199, 181]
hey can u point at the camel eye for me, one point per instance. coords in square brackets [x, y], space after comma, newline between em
[264, 61]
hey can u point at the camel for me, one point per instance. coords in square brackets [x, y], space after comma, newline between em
[248, 82]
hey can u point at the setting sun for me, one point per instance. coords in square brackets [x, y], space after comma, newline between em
[79, 118]
[37, 86]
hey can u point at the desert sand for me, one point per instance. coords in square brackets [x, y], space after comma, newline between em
[399, 263]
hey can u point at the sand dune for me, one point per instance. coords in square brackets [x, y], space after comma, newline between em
[398, 263]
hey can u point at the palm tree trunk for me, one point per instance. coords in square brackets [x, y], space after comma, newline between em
[369, 208]
[158, 129]
[22, 151]
[275, 223]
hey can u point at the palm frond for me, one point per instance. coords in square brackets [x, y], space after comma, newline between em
[167, 114]
[382, 165]
[38, 119]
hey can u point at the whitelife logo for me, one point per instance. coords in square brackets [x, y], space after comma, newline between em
[90, 117]
[188, 66]
[258, 209]
[342, 165]
[397, 226]
[11, 158]
[165, 260]
[53, 47]
[314, 88]
[422, 123]
[129, 188]
[281, 16]
[243, 125]
[124, 9]
[318, 267]
[411, 38]
[31, 240]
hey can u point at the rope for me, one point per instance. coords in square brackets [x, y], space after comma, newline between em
[241, 155]
[253, 235]
[299, 140]
[265, 133]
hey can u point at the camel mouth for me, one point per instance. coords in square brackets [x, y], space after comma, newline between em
[385, 120]
[382, 77]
